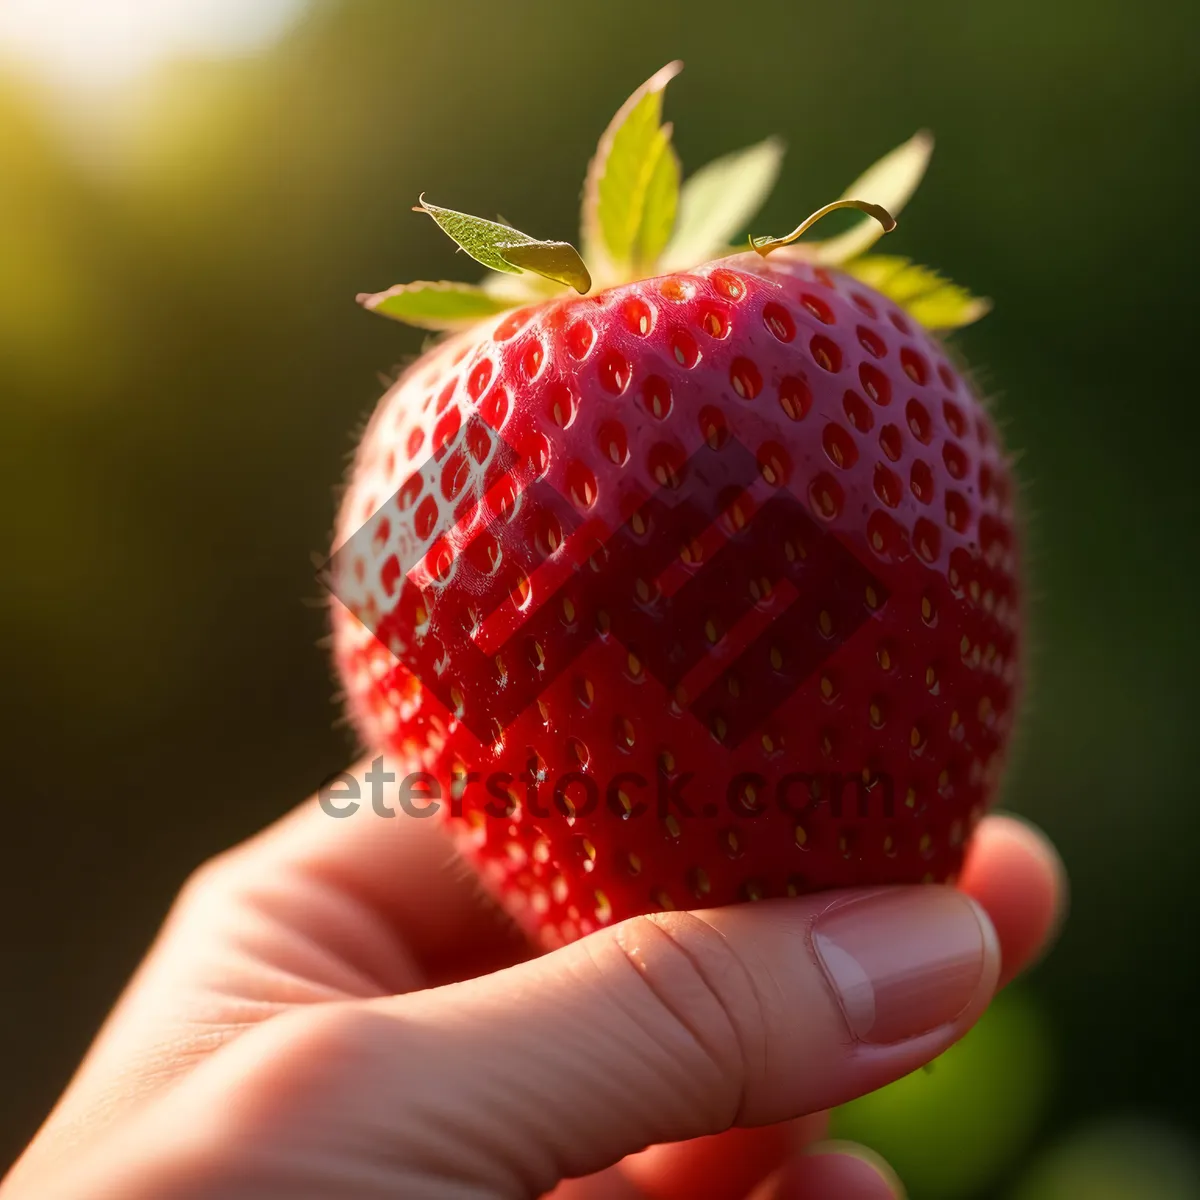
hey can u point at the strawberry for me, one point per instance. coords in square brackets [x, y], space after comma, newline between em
[697, 583]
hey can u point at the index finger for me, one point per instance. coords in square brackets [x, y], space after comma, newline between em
[402, 866]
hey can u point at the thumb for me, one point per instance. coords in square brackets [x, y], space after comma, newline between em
[680, 1025]
[660, 1029]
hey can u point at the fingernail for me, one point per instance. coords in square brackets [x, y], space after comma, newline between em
[905, 961]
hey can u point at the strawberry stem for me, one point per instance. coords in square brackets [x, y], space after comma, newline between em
[764, 245]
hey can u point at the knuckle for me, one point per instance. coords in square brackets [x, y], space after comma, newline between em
[212, 877]
[228, 874]
[313, 1057]
[700, 980]
[329, 1036]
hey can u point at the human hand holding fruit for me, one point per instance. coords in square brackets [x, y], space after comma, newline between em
[334, 1010]
[337, 1009]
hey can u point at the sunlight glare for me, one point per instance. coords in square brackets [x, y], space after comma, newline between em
[88, 44]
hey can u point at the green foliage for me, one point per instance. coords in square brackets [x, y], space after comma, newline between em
[619, 178]
[637, 219]
[719, 200]
[440, 306]
[889, 183]
[506, 249]
[924, 294]
[660, 208]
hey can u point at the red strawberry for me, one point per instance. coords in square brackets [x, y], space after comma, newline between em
[830, 705]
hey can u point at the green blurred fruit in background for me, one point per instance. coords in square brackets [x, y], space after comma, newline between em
[953, 1129]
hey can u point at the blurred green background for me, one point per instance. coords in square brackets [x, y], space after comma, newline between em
[184, 222]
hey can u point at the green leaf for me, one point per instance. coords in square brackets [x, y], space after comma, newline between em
[718, 202]
[661, 204]
[516, 290]
[506, 249]
[890, 184]
[619, 176]
[948, 307]
[880, 271]
[924, 294]
[439, 306]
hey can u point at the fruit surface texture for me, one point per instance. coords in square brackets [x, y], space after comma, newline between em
[700, 587]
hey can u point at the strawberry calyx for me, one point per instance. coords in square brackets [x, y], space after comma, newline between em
[640, 218]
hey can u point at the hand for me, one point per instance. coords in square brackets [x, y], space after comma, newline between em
[333, 1010]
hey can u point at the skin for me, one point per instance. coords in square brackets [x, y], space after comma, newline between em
[334, 1010]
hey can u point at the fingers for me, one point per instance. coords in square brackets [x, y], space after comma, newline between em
[401, 867]
[658, 1030]
[833, 1169]
[726, 1164]
[735, 1164]
[1015, 873]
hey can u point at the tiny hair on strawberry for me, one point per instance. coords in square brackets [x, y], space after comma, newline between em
[685, 565]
